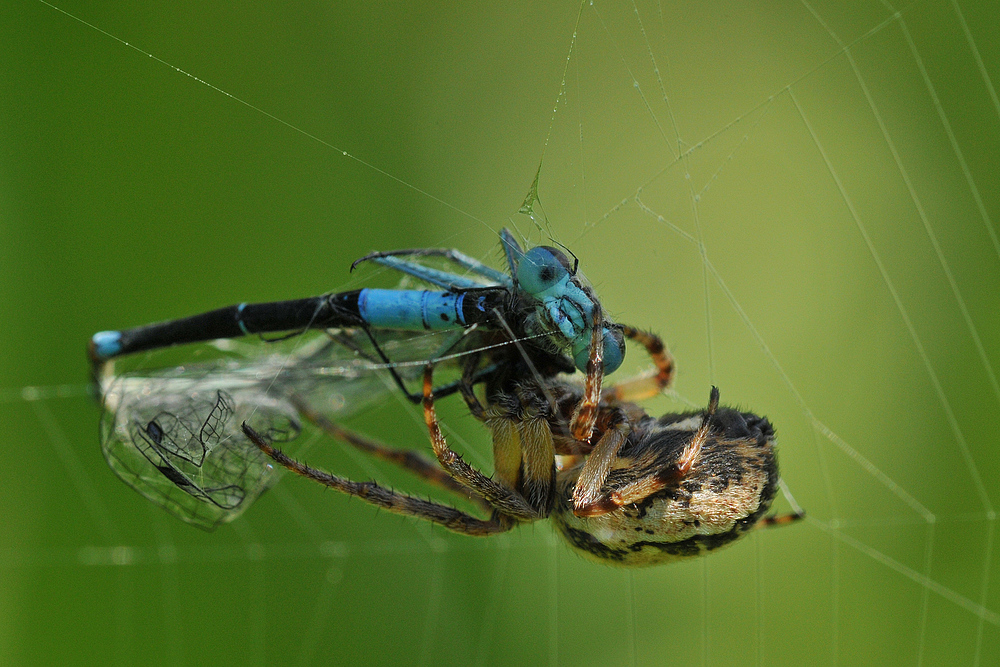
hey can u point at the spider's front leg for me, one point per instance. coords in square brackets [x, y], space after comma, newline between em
[587, 498]
[582, 425]
[643, 386]
[523, 446]
[408, 459]
[505, 499]
[393, 501]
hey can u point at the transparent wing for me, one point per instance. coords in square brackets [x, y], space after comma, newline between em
[175, 437]
[174, 434]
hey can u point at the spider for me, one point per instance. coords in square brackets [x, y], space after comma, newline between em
[649, 491]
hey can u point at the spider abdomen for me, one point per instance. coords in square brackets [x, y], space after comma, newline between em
[723, 495]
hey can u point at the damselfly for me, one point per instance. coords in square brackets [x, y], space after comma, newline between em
[173, 433]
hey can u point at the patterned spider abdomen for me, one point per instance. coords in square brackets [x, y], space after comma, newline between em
[724, 494]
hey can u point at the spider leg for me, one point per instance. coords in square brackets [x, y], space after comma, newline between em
[587, 500]
[582, 424]
[779, 519]
[645, 385]
[524, 453]
[523, 448]
[504, 499]
[692, 450]
[649, 484]
[466, 387]
[398, 503]
[404, 458]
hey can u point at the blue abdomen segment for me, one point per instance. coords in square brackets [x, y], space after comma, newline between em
[107, 344]
[411, 309]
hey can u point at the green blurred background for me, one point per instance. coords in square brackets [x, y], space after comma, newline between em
[801, 198]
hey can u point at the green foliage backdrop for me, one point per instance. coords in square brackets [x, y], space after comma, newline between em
[801, 198]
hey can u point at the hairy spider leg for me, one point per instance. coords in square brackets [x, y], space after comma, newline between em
[412, 461]
[582, 424]
[393, 501]
[523, 447]
[692, 450]
[505, 500]
[641, 387]
[593, 504]
[507, 436]
[780, 519]
[587, 499]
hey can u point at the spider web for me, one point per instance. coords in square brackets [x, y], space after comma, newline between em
[802, 202]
